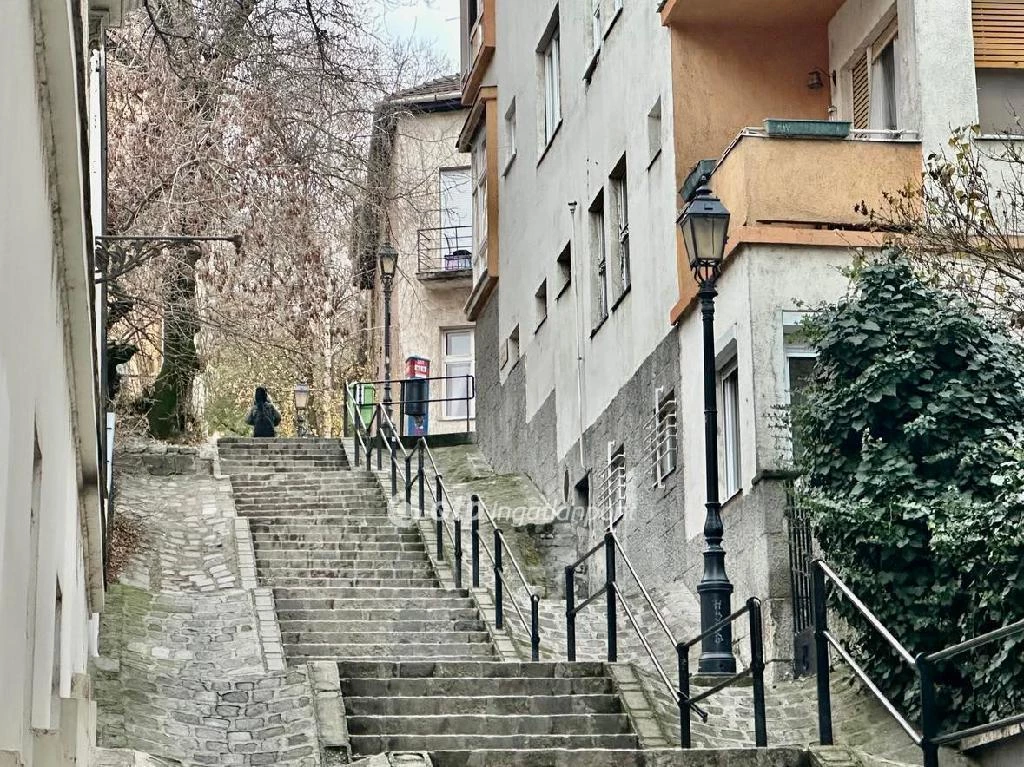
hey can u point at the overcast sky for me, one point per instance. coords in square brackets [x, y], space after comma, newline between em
[435, 21]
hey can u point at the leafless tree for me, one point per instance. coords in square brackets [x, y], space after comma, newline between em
[250, 117]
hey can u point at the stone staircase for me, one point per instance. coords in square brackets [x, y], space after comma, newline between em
[249, 455]
[418, 668]
[456, 709]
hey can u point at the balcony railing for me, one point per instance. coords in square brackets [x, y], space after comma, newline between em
[446, 250]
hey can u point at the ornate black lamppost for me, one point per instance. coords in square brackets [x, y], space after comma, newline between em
[705, 224]
[388, 263]
[301, 395]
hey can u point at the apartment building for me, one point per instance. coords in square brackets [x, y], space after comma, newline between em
[591, 123]
[418, 202]
[52, 467]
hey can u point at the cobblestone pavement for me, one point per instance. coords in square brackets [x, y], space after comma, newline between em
[182, 674]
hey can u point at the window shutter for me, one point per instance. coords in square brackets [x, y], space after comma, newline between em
[998, 33]
[861, 94]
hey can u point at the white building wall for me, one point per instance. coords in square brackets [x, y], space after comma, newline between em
[600, 122]
[43, 314]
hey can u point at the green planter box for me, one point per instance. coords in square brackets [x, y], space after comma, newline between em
[807, 128]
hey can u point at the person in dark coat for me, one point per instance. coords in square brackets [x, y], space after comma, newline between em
[263, 416]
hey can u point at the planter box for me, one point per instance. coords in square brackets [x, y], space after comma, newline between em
[807, 128]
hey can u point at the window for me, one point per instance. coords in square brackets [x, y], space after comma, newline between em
[620, 228]
[614, 499]
[798, 357]
[654, 131]
[540, 299]
[510, 350]
[456, 218]
[999, 64]
[552, 71]
[1001, 100]
[564, 264]
[731, 429]
[874, 79]
[510, 135]
[596, 29]
[665, 435]
[479, 206]
[599, 258]
[458, 373]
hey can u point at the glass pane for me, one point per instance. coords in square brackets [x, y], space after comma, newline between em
[458, 343]
[457, 387]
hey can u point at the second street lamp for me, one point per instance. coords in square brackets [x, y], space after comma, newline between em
[705, 225]
[301, 395]
[388, 264]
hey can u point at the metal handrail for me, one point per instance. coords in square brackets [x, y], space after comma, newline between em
[873, 688]
[681, 692]
[929, 738]
[870, 616]
[676, 692]
[643, 590]
[978, 641]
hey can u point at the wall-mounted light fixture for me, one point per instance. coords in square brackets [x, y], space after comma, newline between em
[816, 79]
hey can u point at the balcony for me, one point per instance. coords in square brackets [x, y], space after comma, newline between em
[752, 12]
[478, 49]
[802, 191]
[810, 183]
[445, 253]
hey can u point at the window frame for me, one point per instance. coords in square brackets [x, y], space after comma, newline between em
[618, 184]
[551, 77]
[731, 423]
[599, 263]
[511, 142]
[666, 435]
[479, 195]
[457, 359]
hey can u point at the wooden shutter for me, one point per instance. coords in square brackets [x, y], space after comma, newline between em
[861, 94]
[998, 33]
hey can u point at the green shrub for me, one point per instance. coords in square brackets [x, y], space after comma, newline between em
[911, 434]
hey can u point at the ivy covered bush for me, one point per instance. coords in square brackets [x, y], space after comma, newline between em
[913, 462]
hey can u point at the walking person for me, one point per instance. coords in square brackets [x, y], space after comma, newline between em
[263, 416]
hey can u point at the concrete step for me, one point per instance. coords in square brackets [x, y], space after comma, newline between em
[486, 724]
[341, 569]
[485, 705]
[396, 614]
[277, 555]
[313, 599]
[355, 583]
[398, 639]
[375, 744]
[471, 687]
[355, 527]
[329, 537]
[386, 650]
[381, 627]
[603, 757]
[373, 549]
[476, 670]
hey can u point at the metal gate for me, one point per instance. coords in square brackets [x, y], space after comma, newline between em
[798, 523]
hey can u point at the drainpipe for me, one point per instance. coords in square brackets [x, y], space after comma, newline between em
[580, 362]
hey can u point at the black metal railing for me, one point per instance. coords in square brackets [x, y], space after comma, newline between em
[614, 598]
[445, 250]
[414, 399]
[930, 737]
[447, 519]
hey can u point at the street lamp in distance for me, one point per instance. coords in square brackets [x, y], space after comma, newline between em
[705, 226]
[301, 395]
[388, 257]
